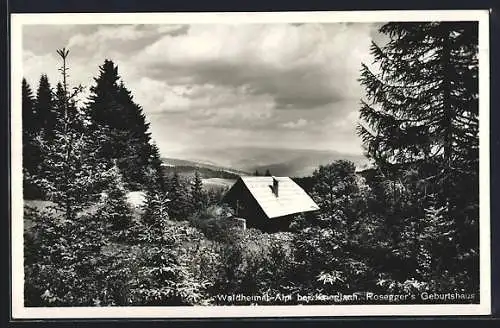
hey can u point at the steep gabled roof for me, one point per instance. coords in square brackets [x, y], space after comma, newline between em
[291, 197]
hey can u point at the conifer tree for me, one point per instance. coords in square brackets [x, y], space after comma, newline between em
[30, 157]
[31, 153]
[64, 270]
[177, 193]
[38, 125]
[74, 117]
[328, 243]
[421, 115]
[268, 173]
[44, 107]
[115, 210]
[156, 207]
[155, 176]
[139, 156]
[126, 135]
[28, 109]
[68, 252]
[70, 169]
[422, 104]
[334, 185]
[198, 197]
[104, 111]
[163, 277]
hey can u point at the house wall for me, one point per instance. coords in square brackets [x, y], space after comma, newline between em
[278, 224]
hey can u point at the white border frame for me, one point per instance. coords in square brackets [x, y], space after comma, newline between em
[21, 312]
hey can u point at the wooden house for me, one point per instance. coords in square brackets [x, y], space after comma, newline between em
[268, 203]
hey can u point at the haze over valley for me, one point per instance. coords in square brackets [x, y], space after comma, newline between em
[247, 160]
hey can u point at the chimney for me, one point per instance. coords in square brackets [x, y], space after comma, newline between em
[275, 186]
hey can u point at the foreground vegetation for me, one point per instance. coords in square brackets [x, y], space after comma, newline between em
[407, 226]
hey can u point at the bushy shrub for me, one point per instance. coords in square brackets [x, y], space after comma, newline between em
[114, 210]
[167, 273]
[214, 223]
[254, 263]
[64, 256]
[74, 263]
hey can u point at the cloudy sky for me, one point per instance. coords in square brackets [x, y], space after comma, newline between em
[204, 86]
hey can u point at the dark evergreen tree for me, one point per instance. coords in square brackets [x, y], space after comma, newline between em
[31, 153]
[156, 175]
[28, 109]
[45, 108]
[268, 173]
[422, 105]
[178, 194]
[421, 117]
[140, 162]
[74, 116]
[334, 185]
[126, 132]
[331, 244]
[105, 112]
[198, 196]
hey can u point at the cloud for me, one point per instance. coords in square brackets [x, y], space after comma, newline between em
[295, 125]
[110, 35]
[112, 40]
[306, 66]
[157, 96]
[36, 65]
[47, 38]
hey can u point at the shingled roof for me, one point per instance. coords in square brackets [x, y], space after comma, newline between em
[291, 197]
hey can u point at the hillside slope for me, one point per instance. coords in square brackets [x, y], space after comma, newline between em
[207, 170]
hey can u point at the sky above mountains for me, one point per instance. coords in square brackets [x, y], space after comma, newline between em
[213, 86]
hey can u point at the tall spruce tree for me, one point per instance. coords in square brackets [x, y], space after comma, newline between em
[31, 152]
[137, 162]
[28, 109]
[422, 103]
[104, 111]
[178, 194]
[126, 136]
[198, 196]
[70, 169]
[156, 175]
[45, 107]
[29, 119]
[421, 114]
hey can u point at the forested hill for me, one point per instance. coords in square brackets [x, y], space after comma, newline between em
[206, 170]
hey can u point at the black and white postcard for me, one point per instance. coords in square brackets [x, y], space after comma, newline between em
[250, 164]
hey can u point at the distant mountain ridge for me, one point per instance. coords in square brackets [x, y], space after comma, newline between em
[207, 170]
[244, 160]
